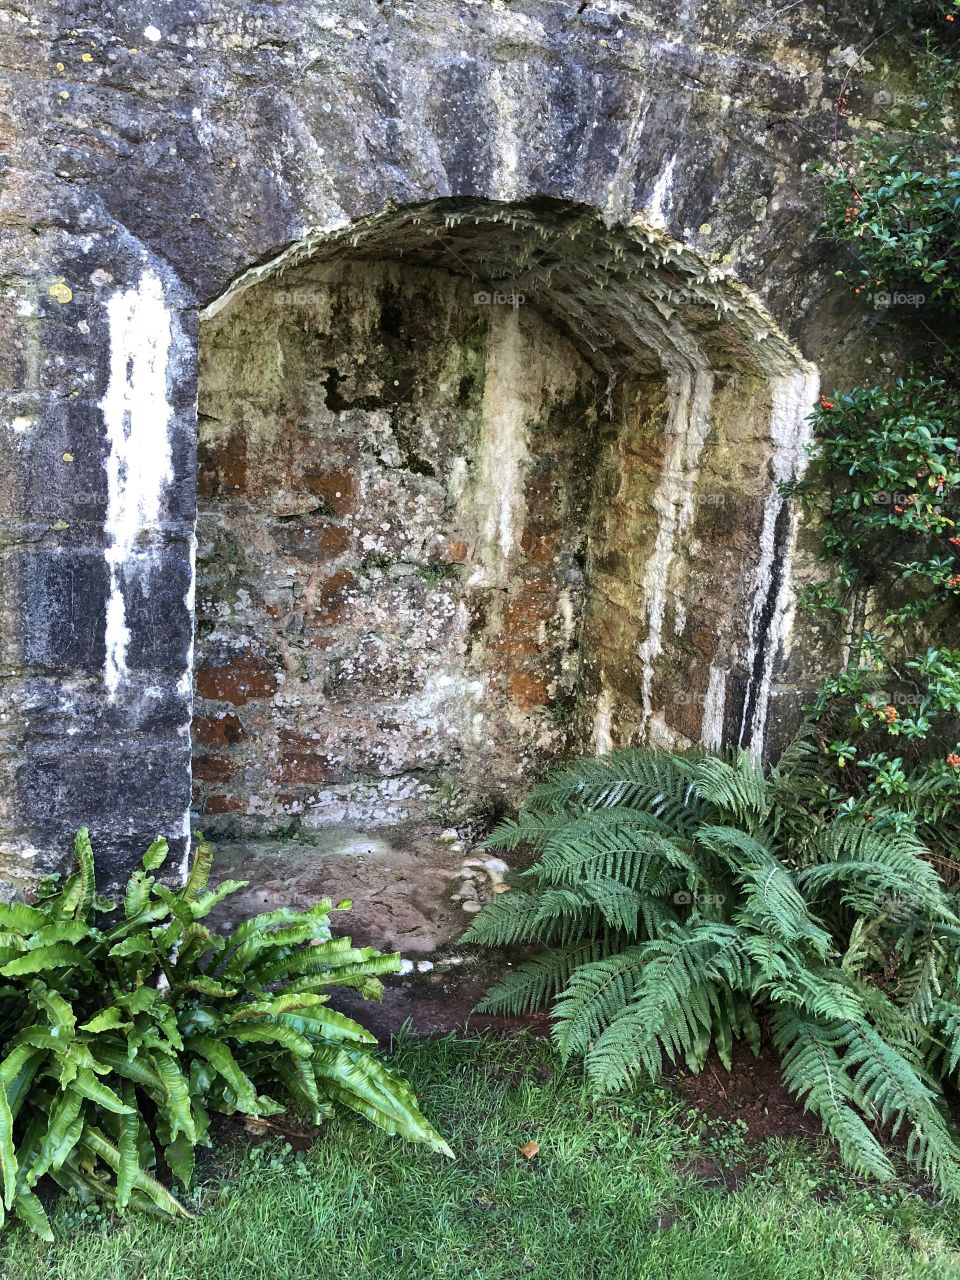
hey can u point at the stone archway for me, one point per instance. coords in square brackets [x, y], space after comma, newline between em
[480, 484]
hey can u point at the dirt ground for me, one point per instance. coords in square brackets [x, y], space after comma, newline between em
[752, 1092]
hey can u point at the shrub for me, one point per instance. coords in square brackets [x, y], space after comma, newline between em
[886, 462]
[119, 1039]
[681, 898]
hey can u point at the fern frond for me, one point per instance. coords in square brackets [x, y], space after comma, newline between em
[891, 1084]
[736, 788]
[813, 1068]
[532, 984]
[639, 778]
[620, 844]
[771, 898]
[871, 867]
[669, 1007]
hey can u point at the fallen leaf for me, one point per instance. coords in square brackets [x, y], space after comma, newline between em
[530, 1149]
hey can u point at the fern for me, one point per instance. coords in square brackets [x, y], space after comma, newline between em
[118, 1041]
[680, 896]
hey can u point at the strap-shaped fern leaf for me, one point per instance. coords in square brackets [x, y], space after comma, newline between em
[121, 1042]
[8, 1156]
[83, 851]
[226, 1065]
[366, 1086]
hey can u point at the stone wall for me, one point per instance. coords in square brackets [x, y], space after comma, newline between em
[395, 483]
[456, 525]
[160, 158]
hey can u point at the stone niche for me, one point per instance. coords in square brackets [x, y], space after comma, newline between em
[479, 487]
[395, 486]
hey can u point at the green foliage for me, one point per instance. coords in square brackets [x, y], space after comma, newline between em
[899, 212]
[884, 476]
[894, 198]
[881, 744]
[638, 1186]
[120, 1037]
[682, 897]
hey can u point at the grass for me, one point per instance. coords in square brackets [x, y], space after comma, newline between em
[610, 1195]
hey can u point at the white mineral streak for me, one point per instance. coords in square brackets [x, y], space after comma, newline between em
[662, 191]
[502, 455]
[137, 417]
[602, 720]
[623, 184]
[186, 688]
[714, 703]
[688, 425]
[793, 395]
[505, 97]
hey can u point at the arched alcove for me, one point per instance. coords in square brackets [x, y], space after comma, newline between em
[480, 485]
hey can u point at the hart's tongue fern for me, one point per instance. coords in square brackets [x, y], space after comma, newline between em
[117, 1040]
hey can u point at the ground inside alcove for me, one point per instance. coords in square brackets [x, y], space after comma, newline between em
[404, 883]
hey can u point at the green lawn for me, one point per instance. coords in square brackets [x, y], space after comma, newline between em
[610, 1195]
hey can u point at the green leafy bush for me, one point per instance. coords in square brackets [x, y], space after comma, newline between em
[898, 212]
[119, 1039]
[682, 898]
[884, 474]
[886, 736]
[893, 198]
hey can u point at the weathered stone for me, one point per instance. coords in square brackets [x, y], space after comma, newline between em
[398, 878]
[310, 179]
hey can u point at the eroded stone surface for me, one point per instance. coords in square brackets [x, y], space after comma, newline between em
[401, 880]
[226, 134]
[395, 484]
[455, 524]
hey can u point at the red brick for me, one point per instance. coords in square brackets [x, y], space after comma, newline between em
[337, 488]
[331, 598]
[540, 545]
[237, 683]
[315, 544]
[223, 804]
[305, 761]
[297, 769]
[528, 691]
[222, 471]
[214, 768]
[522, 619]
[217, 731]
